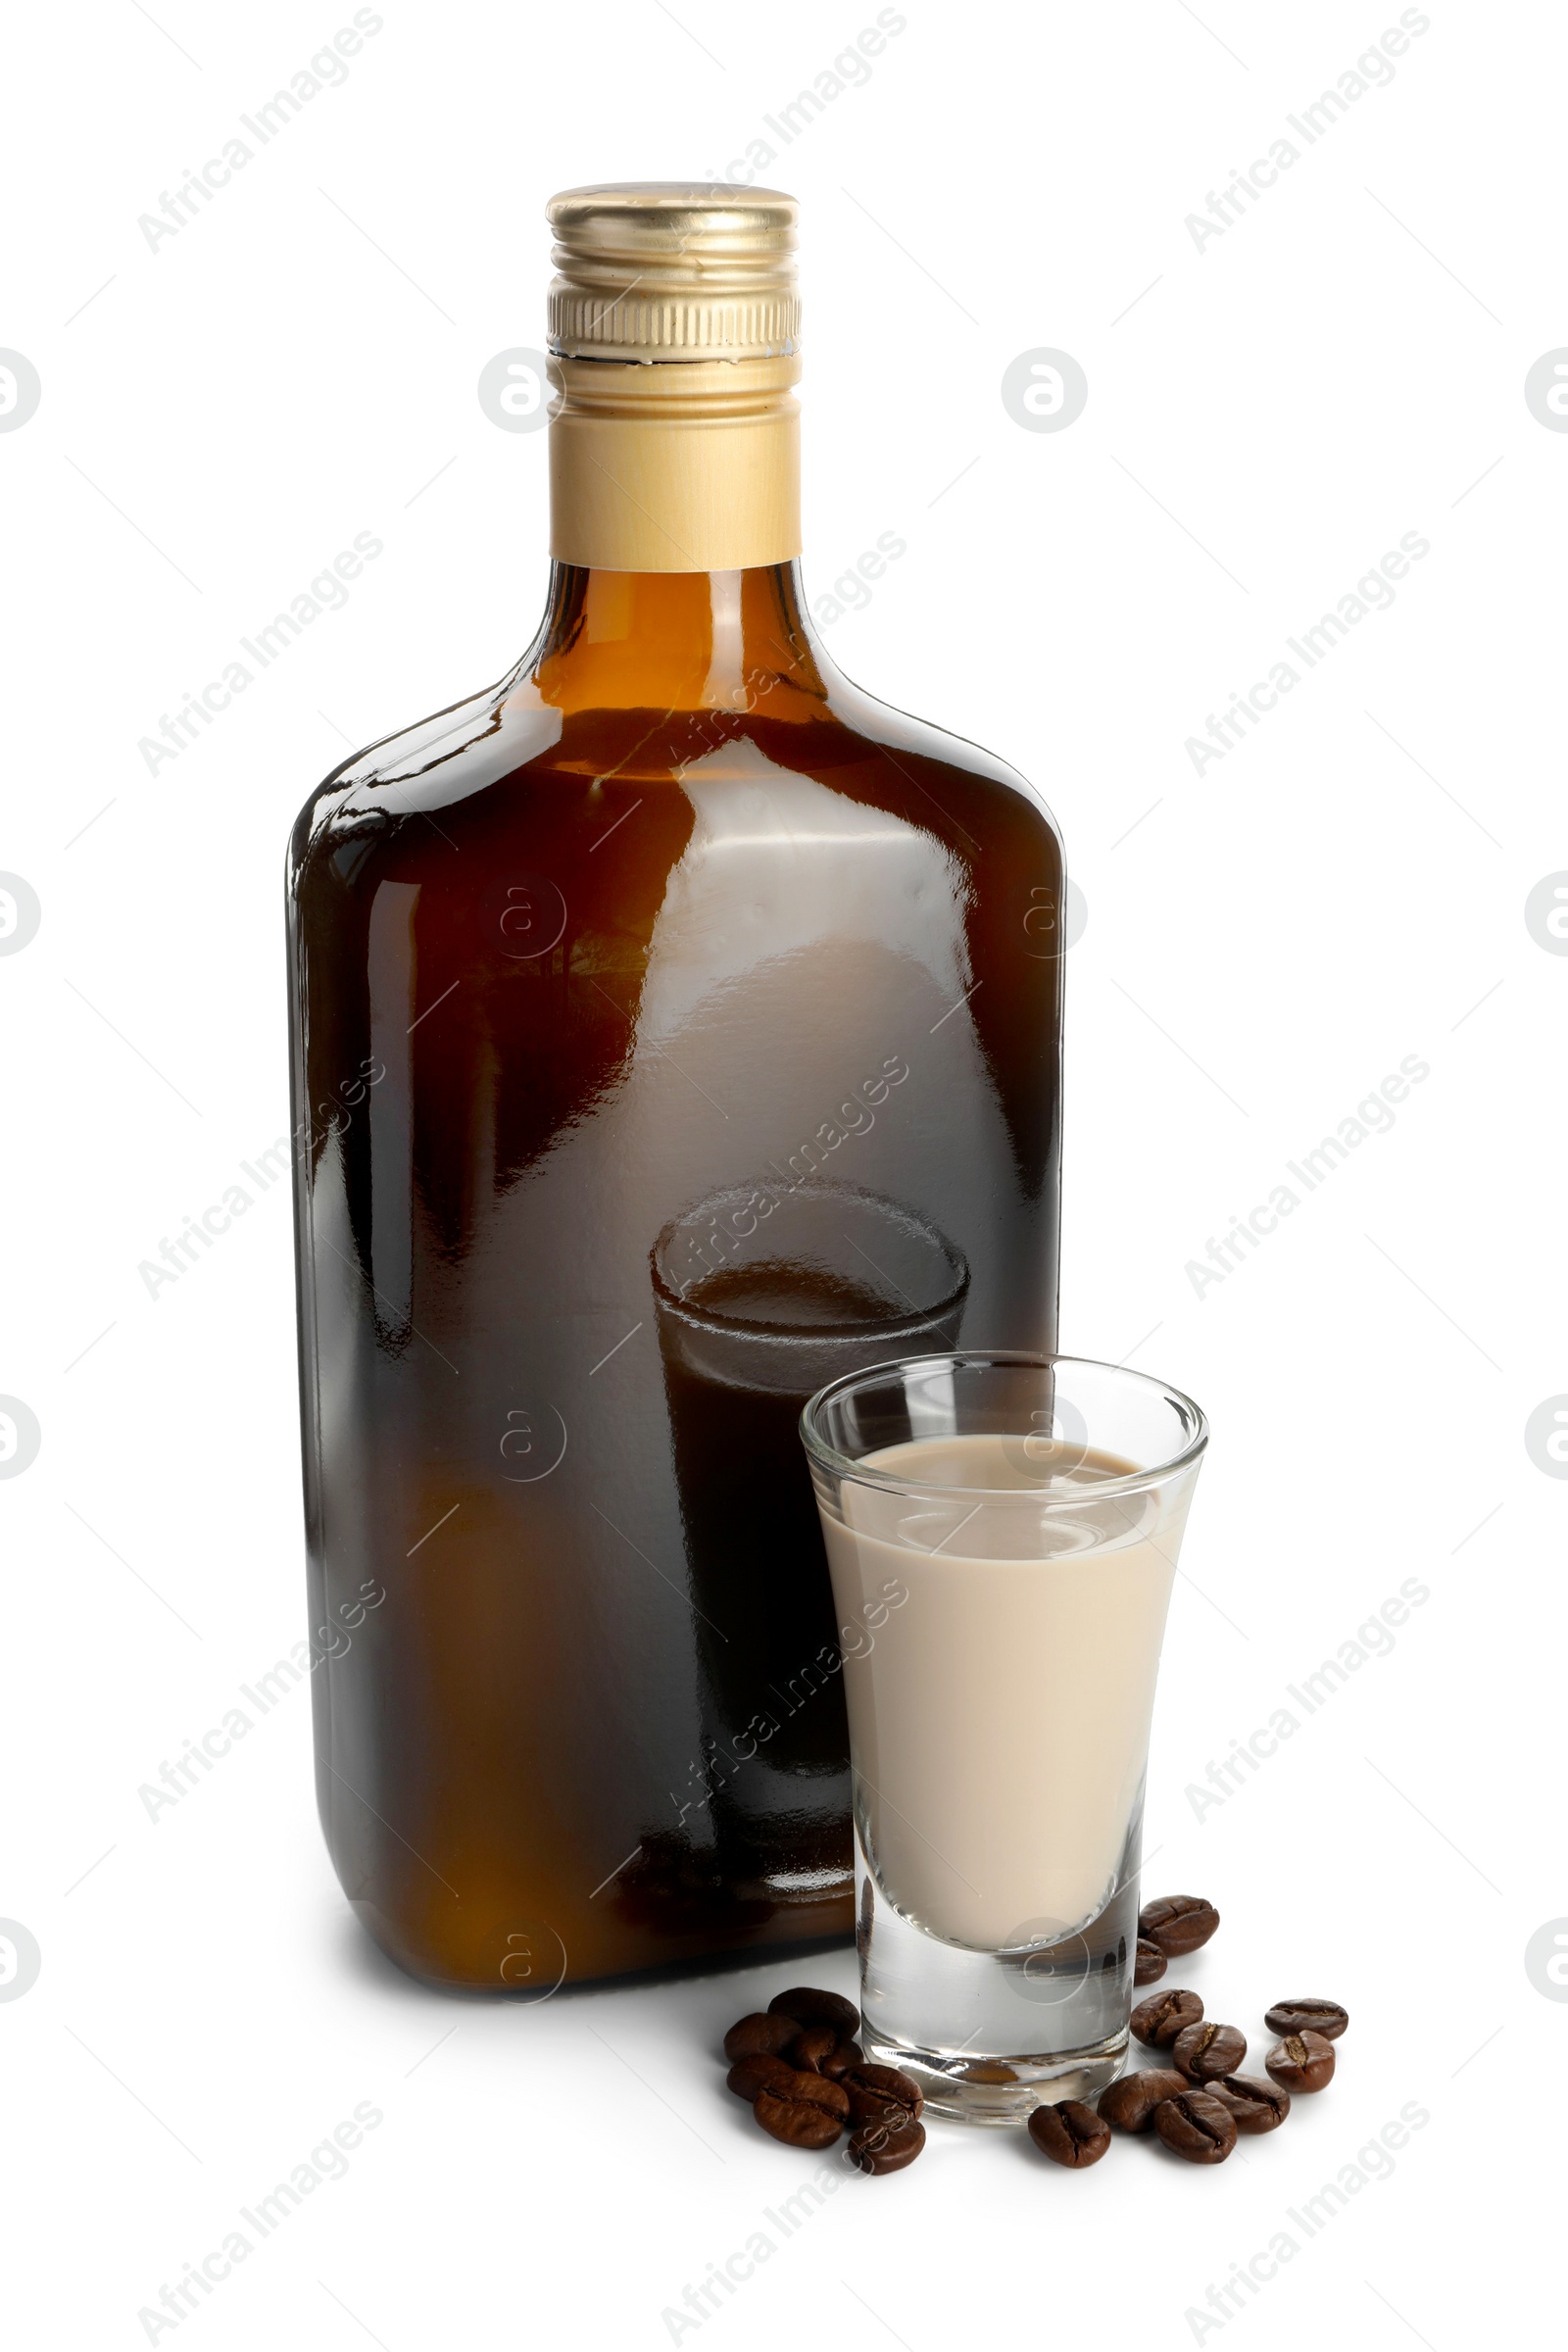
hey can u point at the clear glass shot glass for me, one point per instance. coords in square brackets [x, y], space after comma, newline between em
[1002, 1533]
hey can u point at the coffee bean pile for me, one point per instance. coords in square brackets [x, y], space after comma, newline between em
[807, 2080]
[1197, 2103]
[804, 2074]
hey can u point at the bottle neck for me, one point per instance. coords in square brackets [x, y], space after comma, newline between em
[732, 639]
[676, 465]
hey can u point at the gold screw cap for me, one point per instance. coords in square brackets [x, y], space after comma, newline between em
[673, 271]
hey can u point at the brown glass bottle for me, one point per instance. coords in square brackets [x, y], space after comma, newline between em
[674, 1027]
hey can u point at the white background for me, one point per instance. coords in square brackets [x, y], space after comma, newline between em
[1266, 416]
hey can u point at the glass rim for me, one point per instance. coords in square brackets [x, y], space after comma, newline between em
[843, 1465]
[680, 1303]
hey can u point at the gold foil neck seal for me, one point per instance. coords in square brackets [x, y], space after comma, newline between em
[673, 271]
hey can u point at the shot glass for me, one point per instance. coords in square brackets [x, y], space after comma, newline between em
[1001, 1531]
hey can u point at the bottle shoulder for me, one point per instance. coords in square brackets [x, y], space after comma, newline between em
[896, 735]
[438, 762]
[503, 758]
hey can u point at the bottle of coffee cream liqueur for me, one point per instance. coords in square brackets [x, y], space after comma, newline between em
[675, 1027]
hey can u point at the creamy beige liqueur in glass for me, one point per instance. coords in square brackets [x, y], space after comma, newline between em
[1000, 1699]
[1002, 1531]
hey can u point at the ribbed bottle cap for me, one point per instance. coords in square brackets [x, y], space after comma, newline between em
[662, 270]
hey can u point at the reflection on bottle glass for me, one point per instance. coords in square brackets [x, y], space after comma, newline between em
[764, 1294]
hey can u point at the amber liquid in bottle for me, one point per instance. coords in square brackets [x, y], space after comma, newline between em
[674, 1028]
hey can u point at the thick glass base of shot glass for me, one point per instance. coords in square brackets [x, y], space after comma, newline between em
[990, 2035]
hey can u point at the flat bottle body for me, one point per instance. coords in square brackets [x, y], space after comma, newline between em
[653, 1065]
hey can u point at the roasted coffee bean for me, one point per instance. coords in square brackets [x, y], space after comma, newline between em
[818, 2050]
[1151, 1964]
[886, 2147]
[760, 2036]
[1069, 2134]
[1201, 2051]
[805, 2112]
[1197, 2125]
[1307, 2017]
[1258, 2106]
[1302, 2061]
[748, 2075]
[878, 2092]
[1128, 2105]
[810, 2007]
[1178, 1923]
[809, 2050]
[1158, 2020]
